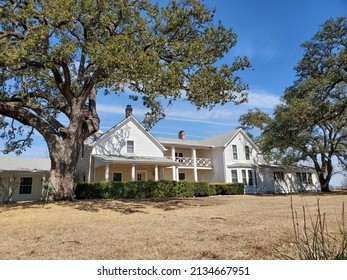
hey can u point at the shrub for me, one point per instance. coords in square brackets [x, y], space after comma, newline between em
[89, 191]
[201, 189]
[153, 189]
[212, 189]
[227, 188]
[185, 189]
[313, 240]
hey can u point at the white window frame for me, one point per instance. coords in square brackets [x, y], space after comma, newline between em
[133, 147]
[234, 151]
[141, 172]
[237, 176]
[20, 185]
[247, 152]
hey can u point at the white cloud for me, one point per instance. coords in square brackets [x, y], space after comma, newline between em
[263, 99]
[226, 115]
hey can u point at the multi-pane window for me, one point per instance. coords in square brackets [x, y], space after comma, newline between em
[305, 178]
[234, 175]
[117, 177]
[244, 177]
[247, 153]
[278, 176]
[130, 147]
[250, 178]
[25, 185]
[234, 152]
[141, 175]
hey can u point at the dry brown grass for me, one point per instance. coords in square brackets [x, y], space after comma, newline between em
[228, 227]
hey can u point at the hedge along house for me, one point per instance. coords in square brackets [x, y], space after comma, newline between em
[128, 152]
[23, 177]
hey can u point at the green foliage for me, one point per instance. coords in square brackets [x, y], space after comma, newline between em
[58, 51]
[311, 122]
[201, 189]
[227, 188]
[153, 189]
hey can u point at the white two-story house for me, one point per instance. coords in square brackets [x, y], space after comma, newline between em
[128, 152]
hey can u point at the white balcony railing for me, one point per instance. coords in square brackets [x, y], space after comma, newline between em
[188, 161]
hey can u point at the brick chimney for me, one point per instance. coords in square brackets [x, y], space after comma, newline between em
[128, 111]
[181, 135]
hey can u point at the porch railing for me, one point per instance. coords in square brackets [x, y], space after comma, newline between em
[188, 161]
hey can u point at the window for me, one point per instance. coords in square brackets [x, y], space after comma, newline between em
[25, 185]
[130, 147]
[244, 178]
[298, 176]
[82, 151]
[179, 157]
[117, 177]
[141, 175]
[250, 178]
[234, 152]
[305, 178]
[309, 178]
[255, 178]
[234, 176]
[181, 176]
[247, 153]
[278, 176]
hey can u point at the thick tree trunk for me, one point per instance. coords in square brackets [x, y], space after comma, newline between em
[324, 185]
[64, 157]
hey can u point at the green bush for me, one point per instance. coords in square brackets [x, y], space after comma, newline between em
[227, 188]
[153, 189]
[212, 189]
[201, 189]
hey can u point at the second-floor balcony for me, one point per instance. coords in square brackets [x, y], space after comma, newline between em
[189, 161]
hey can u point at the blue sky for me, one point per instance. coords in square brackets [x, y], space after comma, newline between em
[270, 33]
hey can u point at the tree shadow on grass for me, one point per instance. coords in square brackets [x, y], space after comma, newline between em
[106, 204]
[22, 205]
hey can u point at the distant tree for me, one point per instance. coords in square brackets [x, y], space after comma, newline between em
[56, 54]
[311, 122]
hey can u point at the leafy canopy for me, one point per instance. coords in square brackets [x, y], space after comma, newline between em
[311, 122]
[53, 53]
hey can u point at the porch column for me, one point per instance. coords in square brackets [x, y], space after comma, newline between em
[156, 176]
[195, 168]
[133, 172]
[173, 157]
[107, 172]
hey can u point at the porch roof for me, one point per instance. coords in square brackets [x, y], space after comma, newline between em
[242, 164]
[136, 159]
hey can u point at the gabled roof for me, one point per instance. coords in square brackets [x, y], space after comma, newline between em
[25, 164]
[132, 119]
[224, 140]
[221, 140]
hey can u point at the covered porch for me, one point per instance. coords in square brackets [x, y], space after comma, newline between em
[129, 168]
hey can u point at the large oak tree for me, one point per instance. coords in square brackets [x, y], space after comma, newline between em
[56, 55]
[311, 123]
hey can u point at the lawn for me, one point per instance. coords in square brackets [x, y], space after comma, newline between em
[219, 227]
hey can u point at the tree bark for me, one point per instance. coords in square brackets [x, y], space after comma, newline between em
[64, 157]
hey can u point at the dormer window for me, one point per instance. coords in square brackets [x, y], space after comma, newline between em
[130, 147]
[247, 153]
